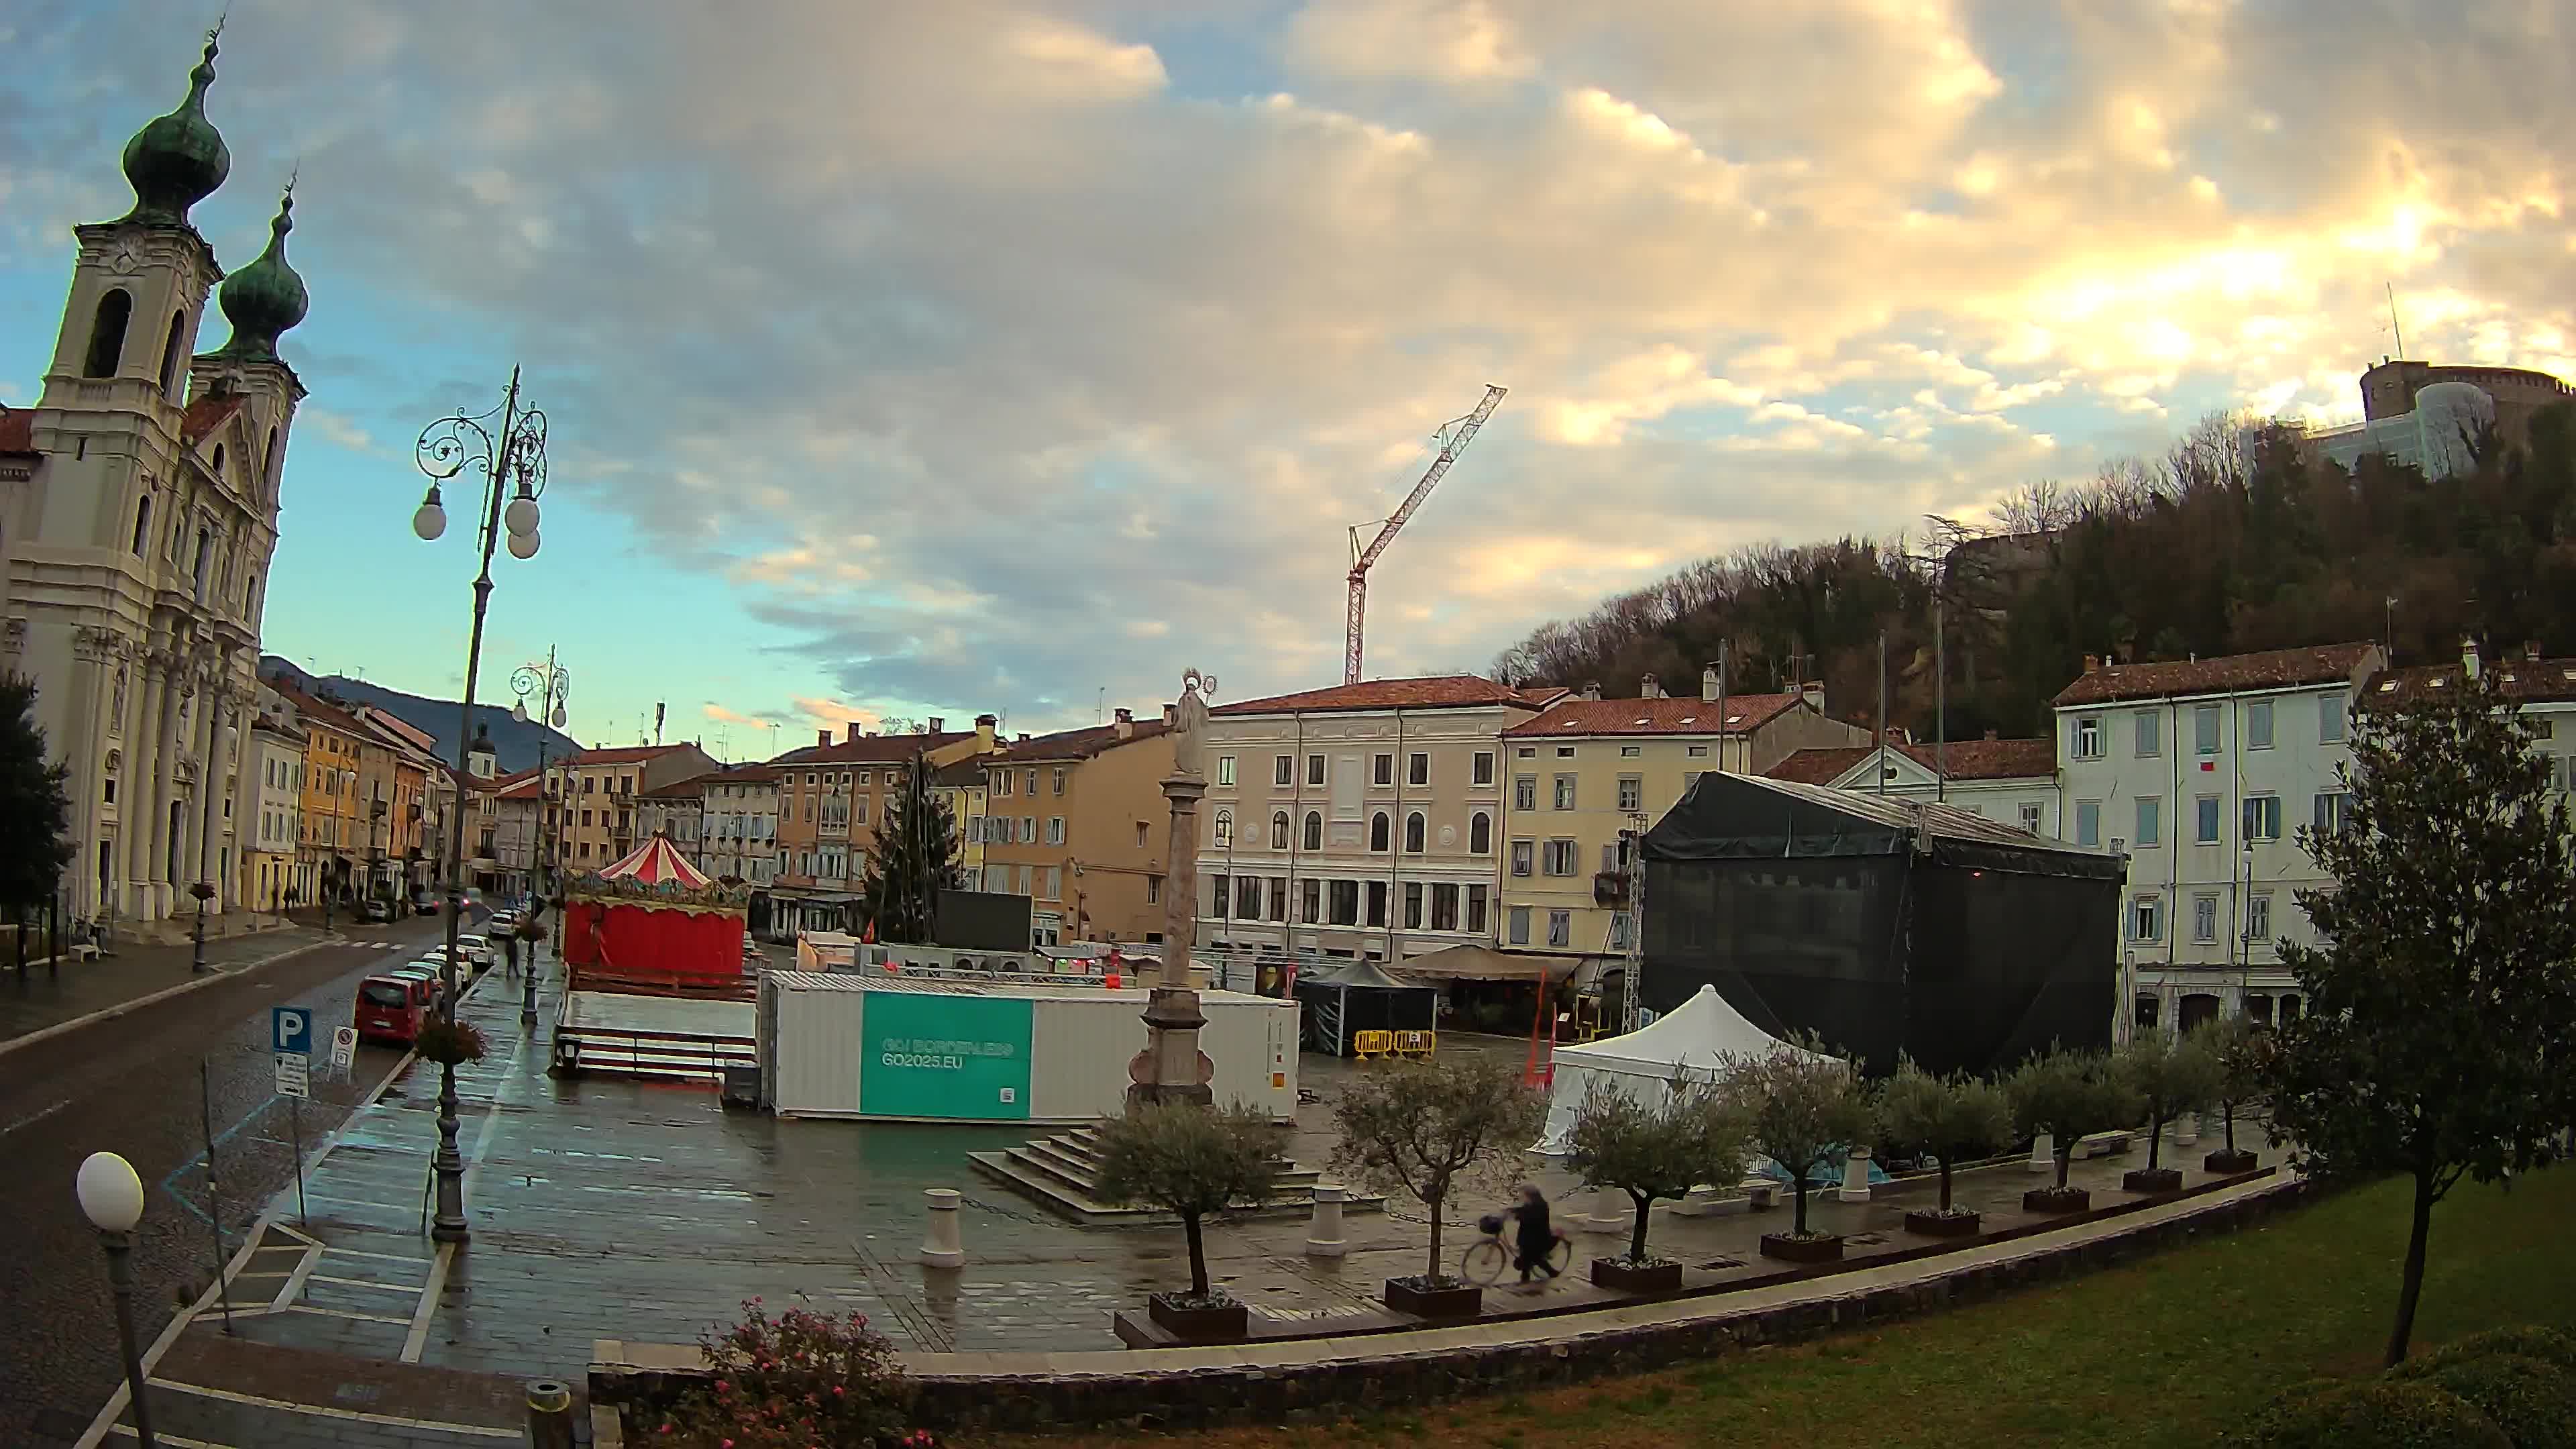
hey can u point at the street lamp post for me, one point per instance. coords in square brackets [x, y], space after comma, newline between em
[111, 1197]
[513, 455]
[549, 682]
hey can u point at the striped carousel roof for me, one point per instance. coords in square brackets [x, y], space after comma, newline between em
[657, 863]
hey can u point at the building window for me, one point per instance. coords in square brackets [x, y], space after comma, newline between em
[1382, 769]
[1379, 832]
[1475, 907]
[1525, 752]
[1310, 901]
[1314, 830]
[1565, 752]
[1525, 792]
[2151, 734]
[1519, 933]
[2330, 811]
[2086, 741]
[1225, 769]
[142, 523]
[1315, 770]
[2031, 816]
[2205, 820]
[1565, 792]
[1561, 858]
[1029, 783]
[1029, 829]
[2204, 730]
[2146, 919]
[1560, 928]
[1619, 930]
[2262, 817]
[1632, 794]
[1001, 782]
[1417, 768]
[2151, 822]
[1141, 829]
[2088, 822]
[1055, 830]
[1483, 776]
[1522, 850]
[2330, 719]
[2258, 916]
[1058, 782]
[107, 333]
[2204, 919]
[1278, 830]
[2258, 725]
[1283, 770]
[1377, 903]
[1346, 903]
[1247, 898]
[1279, 898]
[1413, 905]
[1480, 834]
[1414, 829]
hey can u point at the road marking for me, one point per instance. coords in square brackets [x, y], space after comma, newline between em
[181, 1441]
[365, 1283]
[363, 1253]
[343, 1313]
[327, 1411]
[33, 1118]
[418, 1338]
[429, 1295]
[295, 1281]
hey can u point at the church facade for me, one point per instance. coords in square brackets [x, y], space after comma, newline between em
[138, 516]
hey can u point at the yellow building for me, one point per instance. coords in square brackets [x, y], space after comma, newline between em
[831, 797]
[963, 788]
[1586, 770]
[1077, 822]
[590, 799]
[332, 843]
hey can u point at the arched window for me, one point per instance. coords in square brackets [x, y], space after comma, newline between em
[170, 354]
[1378, 829]
[205, 555]
[1413, 827]
[107, 333]
[1480, 834]
[219, 460]
[269, 461]
[1279, 830]
[1314, 830]
[142, 523]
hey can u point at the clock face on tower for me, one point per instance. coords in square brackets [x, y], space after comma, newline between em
[126, 258]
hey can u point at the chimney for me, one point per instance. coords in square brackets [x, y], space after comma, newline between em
[1024, 738]
[1124, 723]
[1171, 714]
[938, 725]
[2469, 656]
[2531, 650]
[822, 738]
[1990, 734]
[1650, 688]
[851, 731]
[1591, 690]
[1708, 684]
[2092, 662]
[984, 726]
[1813, 692]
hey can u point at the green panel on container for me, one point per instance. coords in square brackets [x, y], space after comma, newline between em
[934, 1055]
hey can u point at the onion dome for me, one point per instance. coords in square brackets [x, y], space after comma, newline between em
[179, 159]
[264, 299]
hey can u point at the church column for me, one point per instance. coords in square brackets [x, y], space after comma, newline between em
[88, 735]
[145, 778]
[169, 825]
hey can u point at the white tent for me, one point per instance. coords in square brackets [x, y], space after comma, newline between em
[1693, 1039]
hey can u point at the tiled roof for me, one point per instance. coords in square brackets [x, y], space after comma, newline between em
[321, 711]
[17, 430]
[1744, 712]
[623, 755]
[964, 775]
[524, 788]
[1082, 744]
[500, 785]
[871, 749]
[1967, 760]
[2226, 674]
[2534, 680]
[1822, 766]
[743, 775]
[209, 413]
[1443, 691]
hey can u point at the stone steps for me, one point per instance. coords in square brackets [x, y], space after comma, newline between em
[1062, 1172]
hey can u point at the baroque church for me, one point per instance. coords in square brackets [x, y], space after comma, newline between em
[138, 514]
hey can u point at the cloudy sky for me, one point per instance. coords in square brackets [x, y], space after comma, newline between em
[935, 358]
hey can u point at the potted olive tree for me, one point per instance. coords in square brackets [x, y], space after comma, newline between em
[1193, 1162]
[1427, 1128]
[1803, 1107]
[2065, 1094]
[2239, 1050]
[1953, 1118]
[2164, 1076]
[1653, 1150]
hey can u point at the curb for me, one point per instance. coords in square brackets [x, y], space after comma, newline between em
[151, 998]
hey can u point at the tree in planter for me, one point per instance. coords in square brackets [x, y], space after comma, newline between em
[913, 859]
[2440, 1036]
[2165, 1075]
[1801, 1104]
[1953, 1118]
[2067, 1094]
[1429, 1127]
[1656, 1151]
[35, 809]
[1191, 1162]
[2238, 1052]
[449, 1043]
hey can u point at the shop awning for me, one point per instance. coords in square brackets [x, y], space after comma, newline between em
[1480, 963]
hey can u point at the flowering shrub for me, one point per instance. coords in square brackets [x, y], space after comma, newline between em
[797, 1381]
[449, 1043]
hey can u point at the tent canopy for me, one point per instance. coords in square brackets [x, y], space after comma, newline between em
[1362, 973]
[1479, 963]
[1361, 997]
[1697, 1038]
[1752, 817]
[656, 862]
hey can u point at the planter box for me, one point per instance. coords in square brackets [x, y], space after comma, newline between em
[1933, 1223]
[1788, 1249]
[2151, 1179]
[1404, 1295]
[1228, 1322]
[2225, 1161]
[1627, 1278]
[2054, 1200]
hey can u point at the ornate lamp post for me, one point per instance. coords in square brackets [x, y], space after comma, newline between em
[1171, 1067]
[511, 454]
[549, 682]
[111, 1197]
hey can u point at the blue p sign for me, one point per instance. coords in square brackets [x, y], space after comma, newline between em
[290, 1029]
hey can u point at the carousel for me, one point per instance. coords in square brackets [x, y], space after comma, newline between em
[654, 925]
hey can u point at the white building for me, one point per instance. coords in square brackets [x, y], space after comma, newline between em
[138, 505]
[273, 876]
[2013, 782]
[2544, 688]
[741, 825]
[2201, 771]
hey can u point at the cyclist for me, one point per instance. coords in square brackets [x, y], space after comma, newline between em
[1536, 1235]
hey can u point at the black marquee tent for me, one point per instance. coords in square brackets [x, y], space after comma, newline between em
[1881, 924]
[1338, 1005]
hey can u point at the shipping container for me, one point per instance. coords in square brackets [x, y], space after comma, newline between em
[907, 1049]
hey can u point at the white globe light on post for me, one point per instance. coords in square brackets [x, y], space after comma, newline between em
[523, 545]
[431, 520]
[521, 516]
[111, 1197]
[561, 718]
[519, 711]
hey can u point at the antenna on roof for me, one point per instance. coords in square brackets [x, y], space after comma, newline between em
[2399, 332]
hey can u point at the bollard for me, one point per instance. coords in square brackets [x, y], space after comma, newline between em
[1324, 1231]
[1609, 1214]
[549, 1414]
[2186, 1129]
[941, 1247]
[2043, 1153]
[1855, 1176]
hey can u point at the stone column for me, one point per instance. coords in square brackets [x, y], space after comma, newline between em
[140, 793]
[1855, 1186]
[2043, 1153]
[1167, 1070]
[941, 1244]
[176, 689]
[1324, 1232]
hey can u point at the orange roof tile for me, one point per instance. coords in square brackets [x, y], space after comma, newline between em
[1443, 691]
[1080, 744]
[2225, 674]
[209, 413]
[1692, 716]
[623, 754]
[870, 749]
[1965, 760]
[17, 430]
[2531, 680]
[1820, 766]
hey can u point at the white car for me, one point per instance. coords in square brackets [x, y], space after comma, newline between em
[477, 949]
[502, 923]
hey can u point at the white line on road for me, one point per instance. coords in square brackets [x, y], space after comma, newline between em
[33, 1118]
[326, 1411]
[182, 1441]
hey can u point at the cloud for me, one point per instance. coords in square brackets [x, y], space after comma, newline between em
[722, 715]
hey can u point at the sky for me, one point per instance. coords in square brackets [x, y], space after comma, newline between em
[912, 359]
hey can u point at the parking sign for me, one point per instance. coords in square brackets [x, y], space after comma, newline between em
[290, 1029]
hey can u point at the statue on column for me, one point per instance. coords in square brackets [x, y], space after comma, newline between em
[1189, 724]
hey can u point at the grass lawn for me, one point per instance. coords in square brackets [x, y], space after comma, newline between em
[2161, 1352]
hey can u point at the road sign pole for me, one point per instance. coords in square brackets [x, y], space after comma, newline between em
[295, 1134]
[214, 1194]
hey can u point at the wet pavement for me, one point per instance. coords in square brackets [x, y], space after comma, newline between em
[49, 996]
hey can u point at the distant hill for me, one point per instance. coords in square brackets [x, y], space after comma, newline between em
[514, 744]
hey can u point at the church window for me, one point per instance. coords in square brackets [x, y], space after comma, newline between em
[270, 461]
[142, 523]
[219, 460]
[170, 354]
[107, 333]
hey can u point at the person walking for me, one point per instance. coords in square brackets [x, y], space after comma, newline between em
[1536, 1235]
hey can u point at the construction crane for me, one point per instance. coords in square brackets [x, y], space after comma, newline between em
[1453, 438]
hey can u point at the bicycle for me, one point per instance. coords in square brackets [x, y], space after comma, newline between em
[1486, 1259]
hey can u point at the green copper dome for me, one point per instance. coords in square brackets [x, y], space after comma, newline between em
[264, 299]
[179, 159]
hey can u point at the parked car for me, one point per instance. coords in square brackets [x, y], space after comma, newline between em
[392, 1006]
[424, 903]
[503, 923]
[376, 910]
[477, 949]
